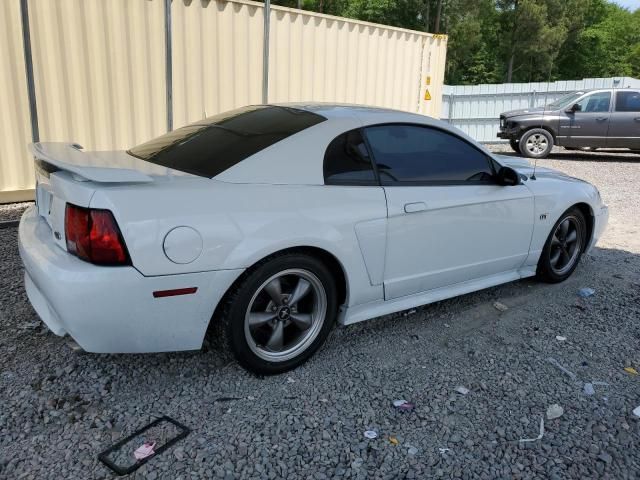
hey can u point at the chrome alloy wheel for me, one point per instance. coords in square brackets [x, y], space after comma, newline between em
[566, 244]
[285, 315]
[537, 144]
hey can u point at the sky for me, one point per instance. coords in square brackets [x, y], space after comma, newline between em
[630, 4]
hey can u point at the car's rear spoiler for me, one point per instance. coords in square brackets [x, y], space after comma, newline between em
[70, 157]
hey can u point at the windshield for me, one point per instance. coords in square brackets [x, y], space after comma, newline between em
[212, 145]
[565, 101]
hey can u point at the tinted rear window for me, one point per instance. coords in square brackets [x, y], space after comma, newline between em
[211, 146]
[347, 162]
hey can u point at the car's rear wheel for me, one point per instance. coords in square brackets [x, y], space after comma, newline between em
[536, 143]
[564, 247]
[280, 313]
[515, 145]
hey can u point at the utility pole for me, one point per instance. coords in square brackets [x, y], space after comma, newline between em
[438, 13]
[265, 52]
[427, 16]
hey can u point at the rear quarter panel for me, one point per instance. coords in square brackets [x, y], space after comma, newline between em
[241, 224]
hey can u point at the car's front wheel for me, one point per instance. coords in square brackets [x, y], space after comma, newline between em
[564, 247]
[280, 313]
[515, 145]
[536, 143]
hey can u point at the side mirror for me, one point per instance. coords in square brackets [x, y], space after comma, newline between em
[508, 176]
[576, 107]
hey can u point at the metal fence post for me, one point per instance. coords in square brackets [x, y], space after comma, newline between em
[265, 51]
[28, 65]
[168, 57]
[451, 102]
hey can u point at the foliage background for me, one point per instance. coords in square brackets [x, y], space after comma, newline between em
[495, 41]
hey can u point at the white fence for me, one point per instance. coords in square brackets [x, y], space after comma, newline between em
[476, 109]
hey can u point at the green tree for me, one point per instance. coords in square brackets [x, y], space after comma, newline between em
[608, 46]
[511, 40]
[471, 54]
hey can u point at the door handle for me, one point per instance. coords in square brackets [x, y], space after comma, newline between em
[601, 119]
[637, 119]
[415, 207]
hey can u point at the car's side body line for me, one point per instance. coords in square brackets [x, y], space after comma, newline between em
[490, 235]
[360, 313]
[372, 239]
[246, 223]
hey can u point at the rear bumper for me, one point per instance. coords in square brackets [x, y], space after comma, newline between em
[600, 219]
[112, 309]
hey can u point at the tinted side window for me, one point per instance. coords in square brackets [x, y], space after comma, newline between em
[347, 162]
[596, 102]
[212, 145]
[627, 101]
[410, 153]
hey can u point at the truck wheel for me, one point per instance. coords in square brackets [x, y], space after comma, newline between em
[536, 143]
[515, 145]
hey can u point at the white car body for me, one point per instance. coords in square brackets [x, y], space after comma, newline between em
[398, 247]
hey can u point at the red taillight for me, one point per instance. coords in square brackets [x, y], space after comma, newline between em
[93, 235]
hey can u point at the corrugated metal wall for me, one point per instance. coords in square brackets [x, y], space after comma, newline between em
[217, 60]
[217, 57]
[432, 75]
[100, 69]
[331, 59]
[476, 109]
[16, 173]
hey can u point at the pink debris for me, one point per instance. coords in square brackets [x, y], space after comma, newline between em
[403, 405]
[144, 451]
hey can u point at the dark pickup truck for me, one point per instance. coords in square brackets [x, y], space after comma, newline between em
[586, 119]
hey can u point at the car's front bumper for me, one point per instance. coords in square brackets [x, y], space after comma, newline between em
[113, 309]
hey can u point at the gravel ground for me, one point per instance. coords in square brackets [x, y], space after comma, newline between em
[12, 211]
[59, 409]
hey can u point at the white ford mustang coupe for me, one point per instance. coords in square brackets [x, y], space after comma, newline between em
[267, 224]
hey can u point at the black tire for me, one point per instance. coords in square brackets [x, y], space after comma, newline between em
[546, 270]
[235, 312]
[536, 143]
[515, 145]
